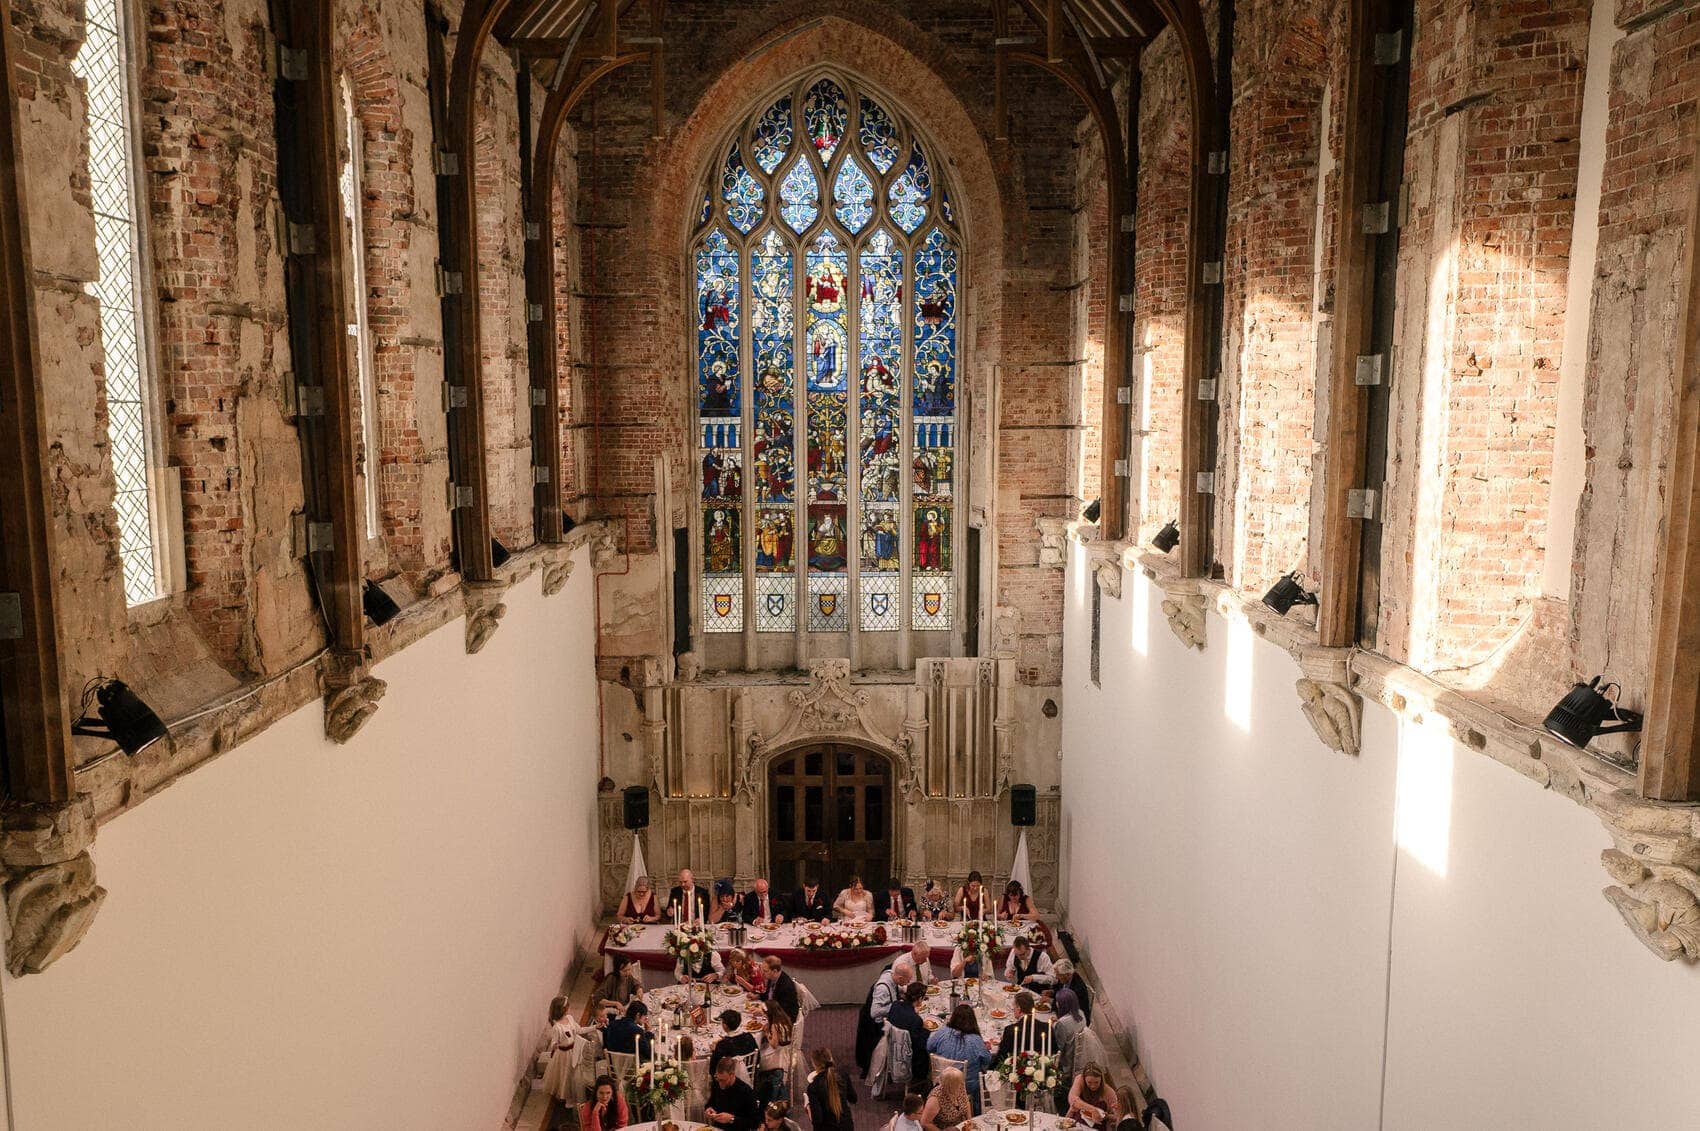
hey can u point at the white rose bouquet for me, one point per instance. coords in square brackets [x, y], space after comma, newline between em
[658, 1085]
[690, 943]
[623, 935]
[1032, 1073]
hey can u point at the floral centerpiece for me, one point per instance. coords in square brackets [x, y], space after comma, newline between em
[658, 1084]
[624, 934]
[1032, 1073]
[844, 936]
[977, 940]
[689, 943]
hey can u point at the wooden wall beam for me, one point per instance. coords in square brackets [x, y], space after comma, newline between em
[1670, 748]
[33, 717]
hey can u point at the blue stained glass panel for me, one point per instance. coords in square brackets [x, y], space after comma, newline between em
[742, 192]
[881, 327]
[946, 208]
[707, 207]
[935, 326]
[799, 197]
[910, 192]
[718, 383]
[826, 112]
[773, 134]
[879, 135]
[853, 195]
[827, 362]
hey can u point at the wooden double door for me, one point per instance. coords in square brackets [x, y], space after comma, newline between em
[830, 818]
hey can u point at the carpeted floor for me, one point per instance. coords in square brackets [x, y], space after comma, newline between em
[835, 1027]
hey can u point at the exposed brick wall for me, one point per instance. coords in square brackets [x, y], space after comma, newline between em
[380, 48]
[501, 296]
[1159, 273]
[1089, 282]
[1491, 160]
[1269, 352]
[575, 470]
[1647, 192]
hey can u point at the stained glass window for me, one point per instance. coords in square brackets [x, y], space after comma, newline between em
[103, 63]
[826, 277]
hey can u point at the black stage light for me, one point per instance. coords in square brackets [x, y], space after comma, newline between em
[498, 553]
[124, 718]
[1286, 593]
[1090, 514]
[1167, 538]
[1578, 717]
[567, 522]
[379, 605]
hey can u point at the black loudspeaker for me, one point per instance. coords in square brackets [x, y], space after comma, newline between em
[1023, 806]
[637, 807]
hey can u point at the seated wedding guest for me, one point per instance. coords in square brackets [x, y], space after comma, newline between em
[761, 907]
[971, 899]
[776, 1116]
[750, 975]
[1066, 975]
[1026, 1031]
[870, 1019]
[948, 1105]
[776, 1053]
[705, 967]
[1027, 965]
[781, 987]
[734, 1041]
[933, 902]
[686, 892]
[1131, 1120]
[895, 902]
[1016, 905]
[732, 1104]
[962, 966]
[960, 1039]
[809, 902]
[1092, 1100]
[855, 904]
[1067, 1028]
[919, 961]
[639, 904]
[606, 1108]
[627, 1033]
[619, 986]
[726, 907]
[906, 1015]
[908, 1119]
[829, 1094]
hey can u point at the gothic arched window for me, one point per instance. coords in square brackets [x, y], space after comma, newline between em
[826, 262]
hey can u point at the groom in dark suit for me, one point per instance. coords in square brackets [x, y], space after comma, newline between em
[810, 902]
[895, 902]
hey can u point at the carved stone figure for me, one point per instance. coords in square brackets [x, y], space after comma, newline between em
[1661, 904]
[484, 612]
[1335, 713]
[1185, 613]
[51, 894]
[688, 666]
[1109, 573]
[556, 570]
[351, 695]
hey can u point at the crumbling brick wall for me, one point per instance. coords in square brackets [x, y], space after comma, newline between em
[381, 48]
[1269, 374]
[1088, 283]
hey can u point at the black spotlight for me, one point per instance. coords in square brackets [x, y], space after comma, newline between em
[1167, 538]
[1286, 593]
[379, 605]
[498, 553]
[1578, 717]
[124, 718]
[567, 522]
[1090, 514]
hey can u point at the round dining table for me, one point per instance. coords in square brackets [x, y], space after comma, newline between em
[679, 1010]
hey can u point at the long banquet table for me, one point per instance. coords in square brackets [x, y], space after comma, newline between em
[835, 977]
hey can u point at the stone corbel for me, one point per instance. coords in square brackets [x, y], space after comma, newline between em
[1109, 574]
[1335, 710]
[557, 568]
[1656, 863]
[1183, 607]
[351, 694]
[51, 893]
[484, 612]
[604, 551]
[1053, 540]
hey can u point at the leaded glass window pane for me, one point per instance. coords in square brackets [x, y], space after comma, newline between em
[102, 63]
[826, 281]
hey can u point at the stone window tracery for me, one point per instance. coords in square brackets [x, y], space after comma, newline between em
[826, 266]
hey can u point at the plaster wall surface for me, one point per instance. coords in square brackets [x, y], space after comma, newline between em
[305, 935]
[1413, 938]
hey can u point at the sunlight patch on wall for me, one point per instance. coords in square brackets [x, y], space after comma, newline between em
[1423, 806]
[1237, 682]
[1137, 590]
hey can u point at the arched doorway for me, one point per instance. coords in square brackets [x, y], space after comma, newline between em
[830, 816]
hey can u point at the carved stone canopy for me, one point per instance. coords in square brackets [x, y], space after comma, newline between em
[828, 708]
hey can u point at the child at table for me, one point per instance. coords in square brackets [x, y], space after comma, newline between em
[909, 1119]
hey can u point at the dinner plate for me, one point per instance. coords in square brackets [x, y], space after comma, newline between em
[1015, 1118]
[940, 924]
[999, 1014]
[931, 1024]
[753, 1026]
